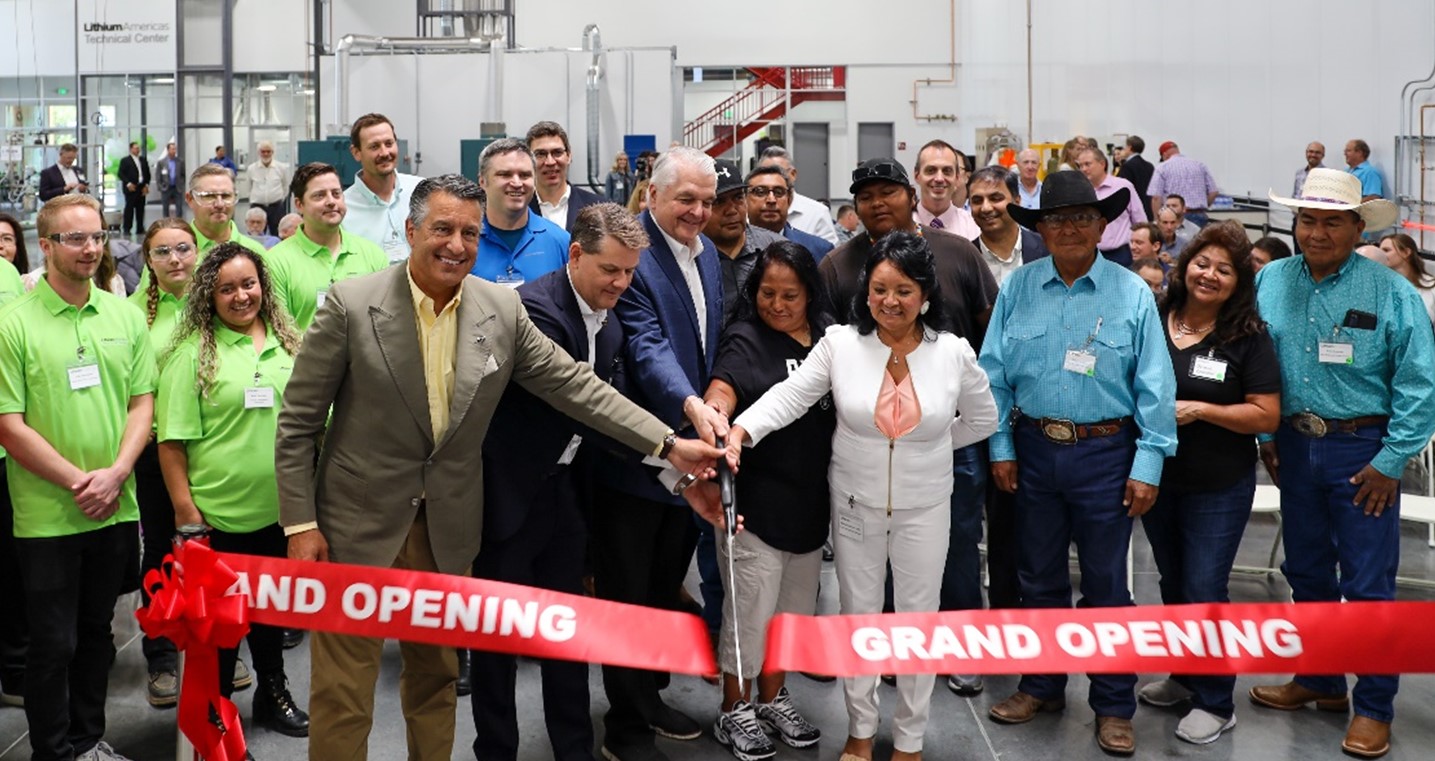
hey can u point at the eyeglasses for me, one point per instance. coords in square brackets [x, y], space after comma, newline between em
[885, 170]
[555, 154]
[9, 239]
[1083, 219]
[207, 198]
[179, 252]
[79, 239]
[762, 191]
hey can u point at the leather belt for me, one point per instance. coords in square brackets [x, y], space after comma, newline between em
[1062, 431]
[1314, 426]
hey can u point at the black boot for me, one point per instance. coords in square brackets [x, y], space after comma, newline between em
[275, 708]
[465, 681]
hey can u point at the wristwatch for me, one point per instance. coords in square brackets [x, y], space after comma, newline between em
[669, 441]
[683, 483]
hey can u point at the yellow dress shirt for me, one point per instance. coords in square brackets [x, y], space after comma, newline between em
[438, 337]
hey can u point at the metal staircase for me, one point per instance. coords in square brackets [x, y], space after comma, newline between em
[768, 96]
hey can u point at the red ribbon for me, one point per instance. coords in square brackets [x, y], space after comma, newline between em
[191, 605]
[1248, 638]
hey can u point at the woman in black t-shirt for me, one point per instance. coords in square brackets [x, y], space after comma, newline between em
[1227, 391]
[782, 497]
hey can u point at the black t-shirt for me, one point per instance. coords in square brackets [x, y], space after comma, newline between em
[968, 288]
[782, 487]
[1209, 457]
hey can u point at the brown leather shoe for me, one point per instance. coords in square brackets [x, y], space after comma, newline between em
[1292, 697]
[1367, 737]
[1114, 735]
[1021, 708]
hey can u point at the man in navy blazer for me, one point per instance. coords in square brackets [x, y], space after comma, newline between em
[537, 463]
[769, 199]
[64, 176]
[643, 531]
[556, 200]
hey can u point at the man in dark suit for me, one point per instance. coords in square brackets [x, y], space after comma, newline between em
[769, 199]
[64, 176]
[536, 494]
[404, 368]
[643, 531]
[556, 200]
[170, 171]
[134, 178]
[1134, 169]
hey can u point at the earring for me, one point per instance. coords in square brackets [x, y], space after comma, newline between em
[925, 306]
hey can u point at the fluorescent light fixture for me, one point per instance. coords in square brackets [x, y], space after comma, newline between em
[265, 88]
[162, 81]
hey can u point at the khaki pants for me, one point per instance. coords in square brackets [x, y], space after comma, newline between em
[345, 669]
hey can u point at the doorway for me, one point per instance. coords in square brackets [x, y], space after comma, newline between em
[809, 157]
[875, 140]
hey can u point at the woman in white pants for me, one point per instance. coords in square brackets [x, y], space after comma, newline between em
[907, 394]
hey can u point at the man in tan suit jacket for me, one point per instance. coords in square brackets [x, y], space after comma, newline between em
[413, 361]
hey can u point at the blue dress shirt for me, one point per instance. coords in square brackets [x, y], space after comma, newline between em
[542, 248]
[1038, 318]
[1390, 372]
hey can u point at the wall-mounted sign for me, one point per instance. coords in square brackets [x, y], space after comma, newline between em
[137, 36]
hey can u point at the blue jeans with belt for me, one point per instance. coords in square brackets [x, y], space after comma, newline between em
[1069, 492]
[1323, 530]
[1194, 537]
[962, 577]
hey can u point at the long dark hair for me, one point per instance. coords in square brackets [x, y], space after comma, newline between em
[22, 257]
[791, 255]
[911, 255]
[1238, 317]
[1414, 268]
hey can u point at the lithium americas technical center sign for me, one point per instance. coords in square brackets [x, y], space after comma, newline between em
[136, 36]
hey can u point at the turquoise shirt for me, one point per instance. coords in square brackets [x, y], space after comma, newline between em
[1370, 182]
[1038, 318]
[1392, 367]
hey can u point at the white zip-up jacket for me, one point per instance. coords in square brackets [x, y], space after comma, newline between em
[867, 467]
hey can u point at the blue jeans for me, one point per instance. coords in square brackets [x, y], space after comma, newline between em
[1067, 492]
[1198, 217]
[1323, 530]
[1194, 537]
[711, 576]
[962, 579]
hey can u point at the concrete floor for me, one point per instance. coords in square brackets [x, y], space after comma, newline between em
[959, 727]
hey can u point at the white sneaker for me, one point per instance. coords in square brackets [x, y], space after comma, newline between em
[738, 731]
[1164, 694]
[1202, 727]
[780, 717]
[101, 752]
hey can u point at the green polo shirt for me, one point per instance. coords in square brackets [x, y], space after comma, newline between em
[203, 245]
[10, 285]
[166, 316]
[40, 339]
[230, 448]
[300, 270]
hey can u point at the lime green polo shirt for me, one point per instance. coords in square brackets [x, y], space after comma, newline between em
[300, 270]
[167, 313]
[10, 285]
[203, 245]
[230, 448]
[40, 341]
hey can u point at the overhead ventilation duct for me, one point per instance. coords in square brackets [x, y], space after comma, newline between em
[593, 43]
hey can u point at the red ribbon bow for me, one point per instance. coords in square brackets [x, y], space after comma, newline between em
[190, 605]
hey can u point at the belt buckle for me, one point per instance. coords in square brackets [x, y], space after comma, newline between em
[1310, 425]
[1058, 431]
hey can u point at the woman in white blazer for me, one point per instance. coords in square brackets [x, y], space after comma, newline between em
[907, 394]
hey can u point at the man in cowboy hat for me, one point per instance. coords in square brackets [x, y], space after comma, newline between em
[1355, 351]
[1087, 402]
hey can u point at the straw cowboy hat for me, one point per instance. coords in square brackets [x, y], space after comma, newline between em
[1340, 191]
[1067, 189]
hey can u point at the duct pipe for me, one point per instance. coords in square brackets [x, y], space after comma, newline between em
[593, 42]
[495, 79]
[360, 44]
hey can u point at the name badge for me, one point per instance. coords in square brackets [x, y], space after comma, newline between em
[1080, 361]
[1332, 353]
[84, 376]
[258, 398]
[1208, 368]
[849, 526]
[319, 298]
[511, 280]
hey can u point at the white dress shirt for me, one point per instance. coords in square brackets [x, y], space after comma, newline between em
[557, 213]
[593, 321]
[1001, 268]
[267, 183]
[812, 216]
[687, 258]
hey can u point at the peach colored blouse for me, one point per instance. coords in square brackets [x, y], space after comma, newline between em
[897, 409]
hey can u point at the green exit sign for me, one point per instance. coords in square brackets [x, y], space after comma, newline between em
[62, 91]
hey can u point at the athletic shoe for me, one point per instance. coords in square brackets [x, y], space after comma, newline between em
[1164, 694]
[739, 731]
[1202, 727]
[780, 717]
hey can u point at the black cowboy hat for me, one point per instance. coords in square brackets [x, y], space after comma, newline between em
[1064, 190]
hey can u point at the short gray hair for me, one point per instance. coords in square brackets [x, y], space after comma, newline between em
[255, 213]
[665, 171]
[290, 221]
[456, 185]
[503, 147]
[602, 220]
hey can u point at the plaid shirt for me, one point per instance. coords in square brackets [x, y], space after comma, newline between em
[1185, 177]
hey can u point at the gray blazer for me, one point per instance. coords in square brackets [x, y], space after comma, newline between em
[379, 460]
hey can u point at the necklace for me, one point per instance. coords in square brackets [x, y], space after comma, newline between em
[896, 346]
[1183, 330]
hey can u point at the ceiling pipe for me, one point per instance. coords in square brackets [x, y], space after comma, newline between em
[593, 42]
[360, 44]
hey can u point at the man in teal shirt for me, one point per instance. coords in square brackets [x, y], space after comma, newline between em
[1358, 401]
[1087, 401]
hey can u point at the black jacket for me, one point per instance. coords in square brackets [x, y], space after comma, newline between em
[578, 200]
[1138, 172]
[128, 174]
[52, 183]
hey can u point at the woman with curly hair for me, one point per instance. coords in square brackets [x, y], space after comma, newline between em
[1228, 386]
[218, 408]
[169, 254]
